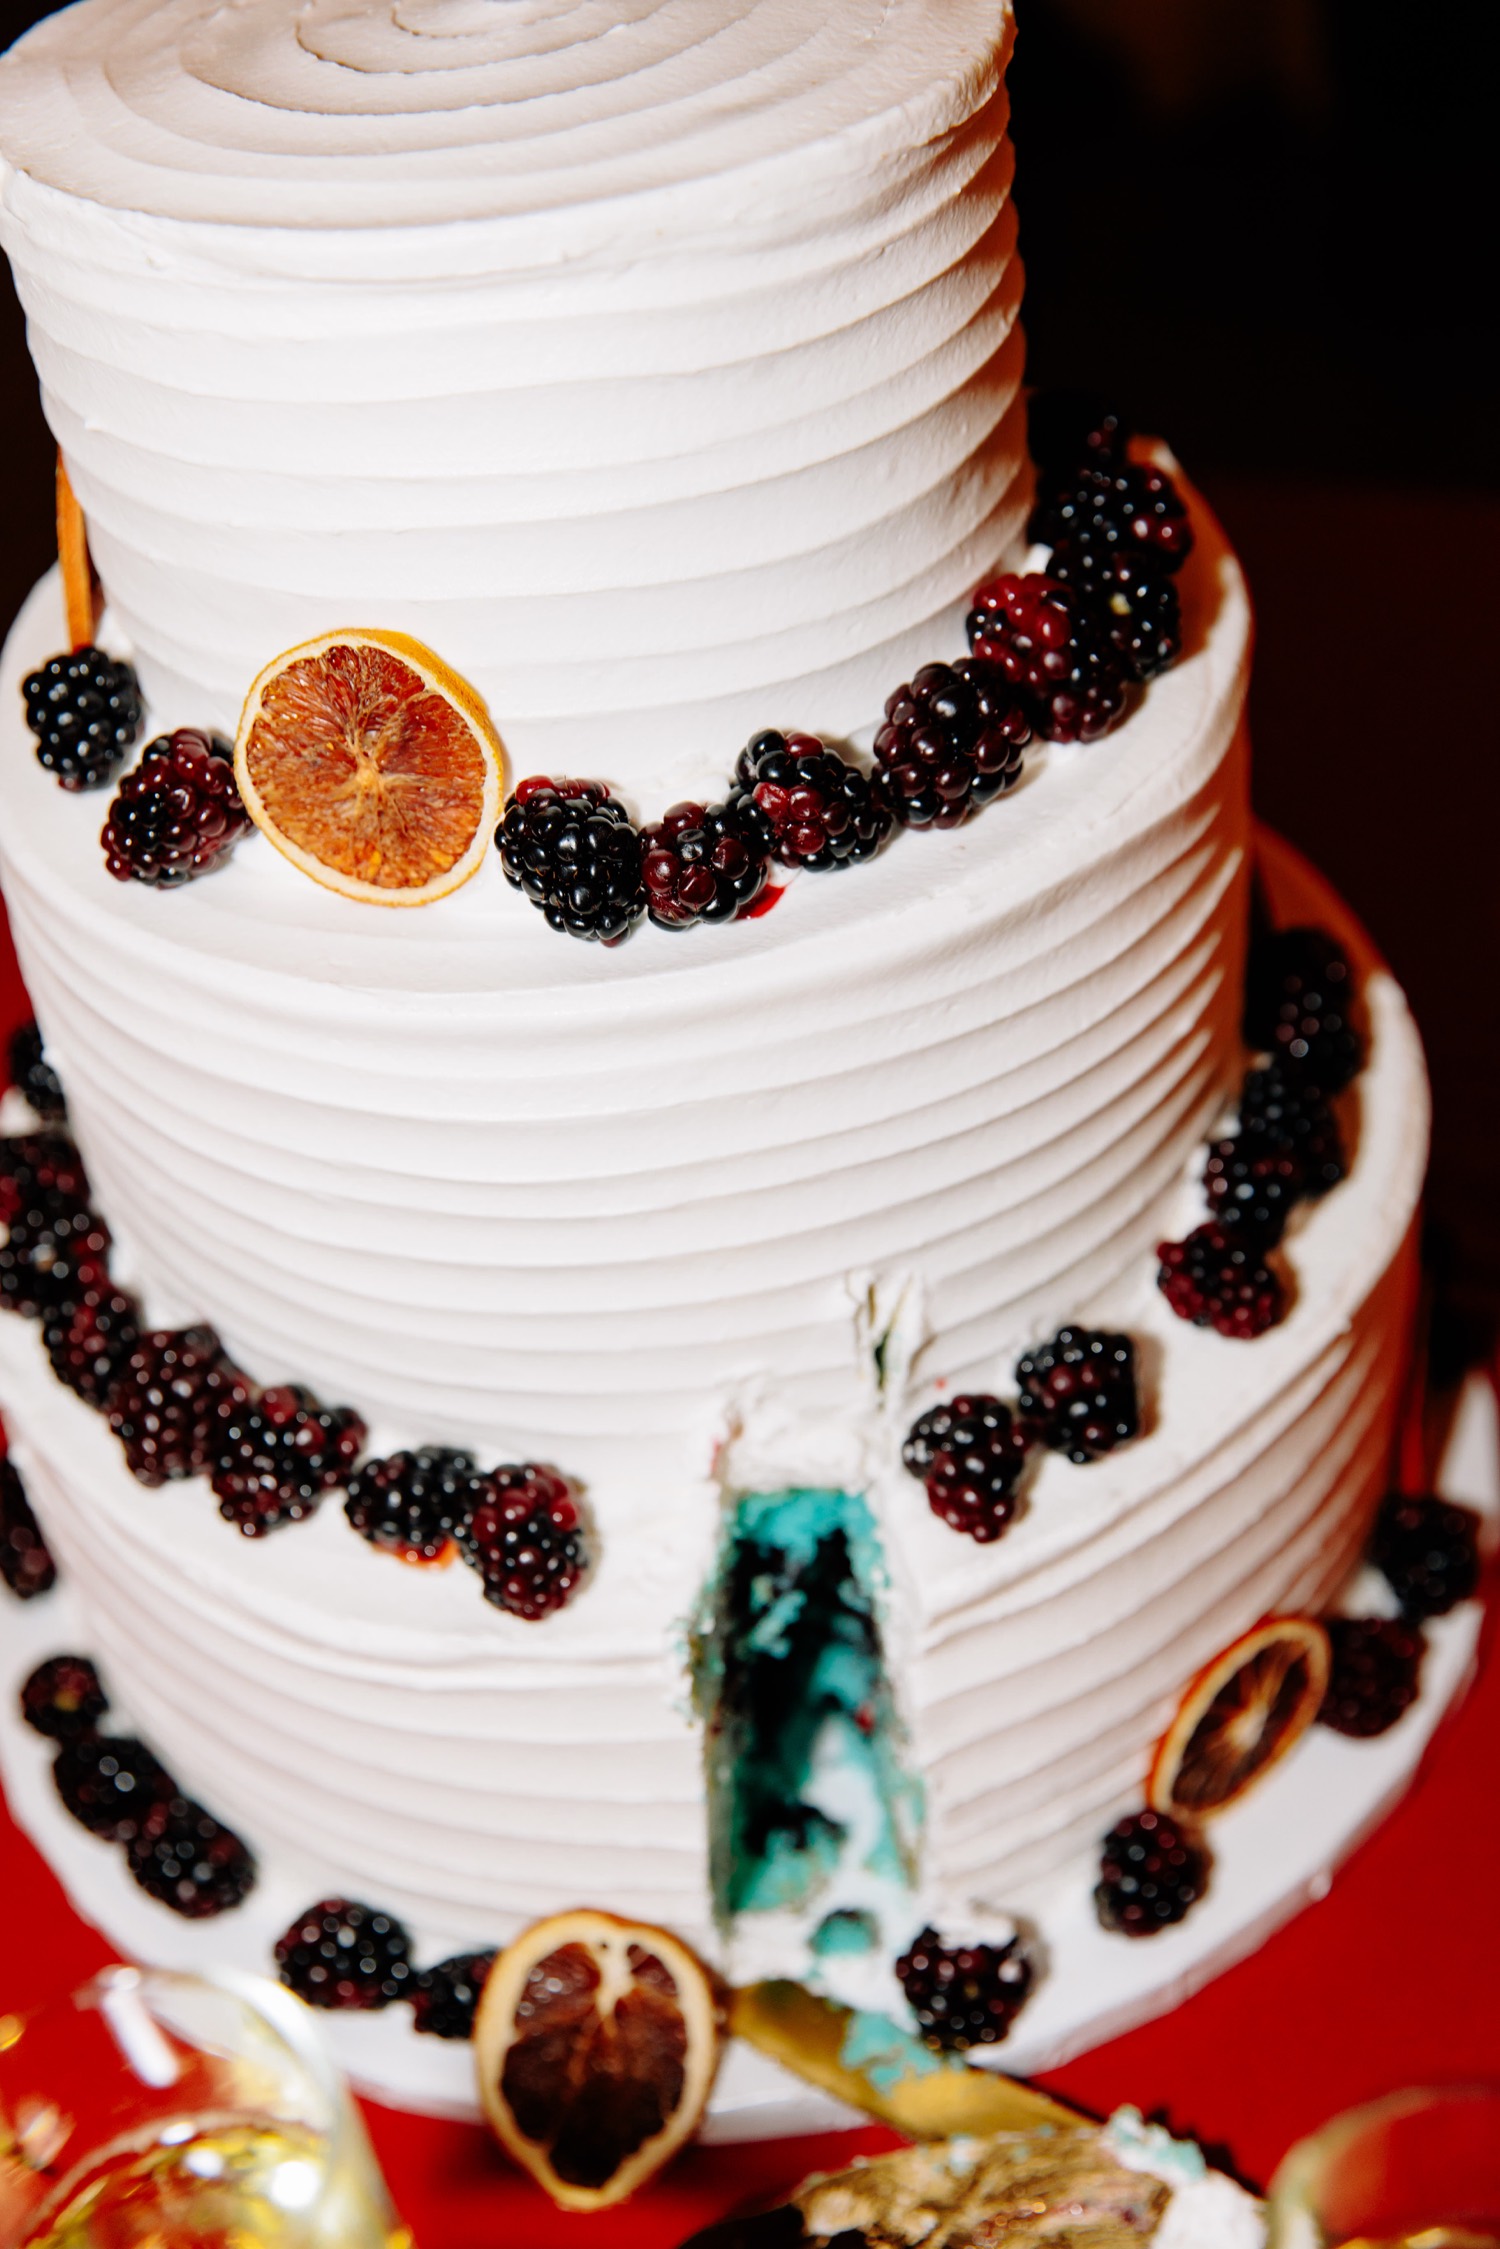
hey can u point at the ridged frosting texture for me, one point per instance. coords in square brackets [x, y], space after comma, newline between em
[498, 1188]
[656, 364]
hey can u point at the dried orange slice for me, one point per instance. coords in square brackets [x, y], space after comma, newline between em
[1242, 1712]
[81, 597]
[372, 766]
[595, 2044]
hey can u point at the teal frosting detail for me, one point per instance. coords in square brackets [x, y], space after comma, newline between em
[1151, 2147]
[842, 1933]
[888, 2055]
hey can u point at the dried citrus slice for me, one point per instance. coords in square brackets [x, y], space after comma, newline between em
[372, 766]
[595, 2044]
[1242, 1712]
[81, 599]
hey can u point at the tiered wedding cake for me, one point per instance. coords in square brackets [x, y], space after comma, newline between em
[659, 367]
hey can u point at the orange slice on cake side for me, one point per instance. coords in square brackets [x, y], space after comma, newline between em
[595, 2046]
[372, 766]
[1241, 1714]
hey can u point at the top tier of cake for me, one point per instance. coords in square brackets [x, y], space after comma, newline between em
[657, 365]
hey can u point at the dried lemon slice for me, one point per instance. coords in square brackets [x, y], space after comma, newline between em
[371, 766]
[1241, 1713]
[595, 2045]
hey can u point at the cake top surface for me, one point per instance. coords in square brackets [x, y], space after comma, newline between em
[376, 113]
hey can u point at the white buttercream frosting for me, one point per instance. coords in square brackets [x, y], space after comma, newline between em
[657, 365]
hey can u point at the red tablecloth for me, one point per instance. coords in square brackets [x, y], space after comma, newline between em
[1393, 1979]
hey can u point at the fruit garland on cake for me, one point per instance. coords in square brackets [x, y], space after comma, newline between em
[1055, 655]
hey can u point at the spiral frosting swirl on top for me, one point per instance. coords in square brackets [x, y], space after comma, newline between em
[658, 365]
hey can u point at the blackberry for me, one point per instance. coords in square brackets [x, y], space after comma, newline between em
[574, 851]
[1138, 607]
[702, 863]
[1065, 428]
[189, 1861]
[953, 739]
[164, 1406]
[807, 807]
[415, 1504]
[89, 1335]
[340, 1954]
[1053, 648]
[1278, 1111]
[50, 1233]
[1220, 1282]
[1376, 1673]
[63, 1699]
[26, 1566]
[527, 1541]
[32, 1074]
[276, 1454]
[85, 711]
[1125, 504]
[1252, 1189]
[1299, 991]
[969, 1454]
[964, 1994]
[1152, 1872]
[444, 1998]
[109, 1783]
[1427, 1550]
[177, 814]
[1078, 1393]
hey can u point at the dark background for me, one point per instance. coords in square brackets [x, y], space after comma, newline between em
[1254, 222]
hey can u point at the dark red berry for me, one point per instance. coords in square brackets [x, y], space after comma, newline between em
[33, 1075]
[1252, 1189]
[416, 1504]
[701, 863]
[1124, 503]
[89, 1336]
[444, 1998]
[1218, 1281]
[85, 710]
[1279, 1112]
[1054, 650]
[964, 1994]
[63, 1698]
[177, 813]
[1136, 604]
[189, 1861]
[574, 851]
[527, 1541]
[1078, 1393]
[953, 739]
[807, 807]
[1427, 1550]
[49, 1237]
[341, 1954]
[164, 1406]
[1067, 428]
[276, 1453]
[109, 1783]
[26, 1566]
[1152, 1872]
[969, 1454]
[1299, 997]
[1376, 1673]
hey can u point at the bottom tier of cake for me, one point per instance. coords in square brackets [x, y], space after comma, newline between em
[1029, 1680]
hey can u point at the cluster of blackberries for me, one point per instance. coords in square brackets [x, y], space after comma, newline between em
[85, 710]
[1287, 1148]
[177, 813]
[1071, 642]
[180, 1408]
[343, 1955]
[33, 1075]
[1427, 1550]
[1153, 1869]
[1076, 1395]
[111, 1783]
[518, 1525]
[965, 1995]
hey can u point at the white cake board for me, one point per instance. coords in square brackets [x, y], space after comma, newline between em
[1273, 1854]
